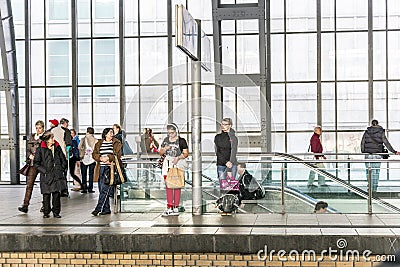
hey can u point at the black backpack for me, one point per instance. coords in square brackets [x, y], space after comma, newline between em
[228, 203]
[250, 189]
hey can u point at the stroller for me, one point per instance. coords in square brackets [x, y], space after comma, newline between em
[229, 202]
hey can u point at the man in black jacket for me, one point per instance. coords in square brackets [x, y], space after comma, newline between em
[372, 142]
[226, 144]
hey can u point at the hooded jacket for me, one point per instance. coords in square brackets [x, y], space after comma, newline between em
[51, 168]
[373, 139]
[226, 144]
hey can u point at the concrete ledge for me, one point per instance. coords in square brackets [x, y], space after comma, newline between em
[198, 243]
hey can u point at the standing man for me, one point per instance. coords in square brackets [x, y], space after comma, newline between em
[316, 147]
[372, 142]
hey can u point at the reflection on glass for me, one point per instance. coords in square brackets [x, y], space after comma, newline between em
[301, 57]
[58, 59]
[105, 63]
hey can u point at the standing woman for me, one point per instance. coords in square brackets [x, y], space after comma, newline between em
[50, 161]
[74, 160]
[33, 143]
[176, 150]
[106, 150]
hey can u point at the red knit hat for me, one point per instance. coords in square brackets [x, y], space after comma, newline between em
[54, 122]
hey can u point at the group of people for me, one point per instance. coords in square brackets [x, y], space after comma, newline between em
[373, 143]
[51, 153]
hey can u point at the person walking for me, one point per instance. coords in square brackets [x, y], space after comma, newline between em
[316, 147]
[86, 147]
[106, 150]
[50, 161]
[226, 145]
[33, 143]
[74, 160]
[372, 143]
[175, 149]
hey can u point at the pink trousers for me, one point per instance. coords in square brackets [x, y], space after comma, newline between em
[173, 196]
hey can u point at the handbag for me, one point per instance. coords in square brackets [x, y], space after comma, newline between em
[175, 178]
[25, 169]
[229, 184]
[115, 175]
[87, 158]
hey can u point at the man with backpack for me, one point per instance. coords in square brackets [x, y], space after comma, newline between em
[249, 187]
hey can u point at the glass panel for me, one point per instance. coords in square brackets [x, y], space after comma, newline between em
[84, 62]
[131, 123]
[328, 106]
[394, 107]
[351, 15]
[59, 104]
[277, 11]
[301, 106]
[228, 54]
[38, 106]
[153, 17]
[3, 114]
[247, 26]
[248, 109]
[379, 55]
[301, 57]
[352, 105]
[107, 100]
[85, 108]
[106, 63]
[37, 19]
[202, 10]
[37, 62]
[228, 26]
[83, 10]
[352, 56]
[20, 49]
[277, 58]
[154, 107]
[131, 18]
[58, 23]
[394, 55]
[18, 9]
[59, 58]
[379, 14]
[278, 107]
[153, 62]
[248, 54]
[301, 16]
[393, 11]
[180, 63]
[131, 61]
[181, 105]
[328, 56]
[327, 15]
[380, 103]
[208, 109]
[105, 18]
[229, 104]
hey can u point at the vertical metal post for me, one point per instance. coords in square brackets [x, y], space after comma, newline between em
[319, 60]
[370, 62]
[369, 190]
[170, 74]
[196, 130]
[348, 171]
[283, 188]
[121, 41]
[74, 66]
[28, 88]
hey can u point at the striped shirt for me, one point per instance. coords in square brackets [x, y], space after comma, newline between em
[105, 149]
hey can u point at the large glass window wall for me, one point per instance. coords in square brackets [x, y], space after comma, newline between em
[344, 69]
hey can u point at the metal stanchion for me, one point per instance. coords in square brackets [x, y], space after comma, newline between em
[369, 190]
[283, 188]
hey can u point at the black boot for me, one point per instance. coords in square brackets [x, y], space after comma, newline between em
[23, 208]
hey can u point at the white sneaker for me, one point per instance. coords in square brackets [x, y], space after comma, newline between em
[167, 212]
[175, 212]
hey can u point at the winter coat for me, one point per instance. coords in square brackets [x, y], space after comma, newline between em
[51, 168]
[315, 144]
[373, 139]
[145, 143]
[117, 150]
[226, 147]
[32, 146]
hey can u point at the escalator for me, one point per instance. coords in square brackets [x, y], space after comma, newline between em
[351, 188]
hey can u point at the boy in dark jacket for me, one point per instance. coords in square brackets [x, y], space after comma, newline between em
[51, 163]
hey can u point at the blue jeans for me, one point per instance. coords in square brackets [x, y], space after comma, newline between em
[221, 170]
[103, 205]
[84, 169]
[375, 169]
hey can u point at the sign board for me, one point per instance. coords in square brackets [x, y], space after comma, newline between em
[186, 32]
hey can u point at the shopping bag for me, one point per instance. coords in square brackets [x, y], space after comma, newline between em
[175, 178]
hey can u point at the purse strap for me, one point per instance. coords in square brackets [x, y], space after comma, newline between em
[119, 170]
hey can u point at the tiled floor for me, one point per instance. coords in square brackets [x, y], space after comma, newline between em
[77, 218]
